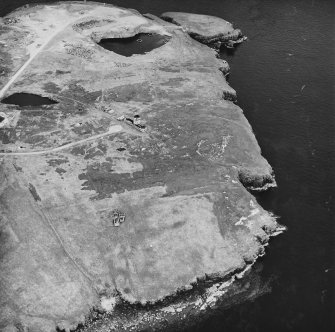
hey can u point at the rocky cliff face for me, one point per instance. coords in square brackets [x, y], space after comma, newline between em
[129, 189]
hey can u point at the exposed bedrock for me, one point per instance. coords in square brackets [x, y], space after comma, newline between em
[225, 69]
[129, 189]
[183, 310]
[254, 180]
[206, 29]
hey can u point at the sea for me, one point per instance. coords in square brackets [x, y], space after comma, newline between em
[284, 75]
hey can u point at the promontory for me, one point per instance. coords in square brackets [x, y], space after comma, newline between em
[126, 169]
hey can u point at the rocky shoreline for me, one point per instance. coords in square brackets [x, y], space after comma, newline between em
[133, 185]
[209, 30]
[187, 306]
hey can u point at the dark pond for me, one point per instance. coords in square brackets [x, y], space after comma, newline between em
[284, 77]
[27, 99]
[138, 44]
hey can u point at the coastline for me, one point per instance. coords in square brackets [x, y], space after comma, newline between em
[247, 224]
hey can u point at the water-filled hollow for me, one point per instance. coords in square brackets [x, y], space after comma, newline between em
[139, 44]
[27, 99]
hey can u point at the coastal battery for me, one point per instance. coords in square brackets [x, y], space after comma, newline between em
[97, 209]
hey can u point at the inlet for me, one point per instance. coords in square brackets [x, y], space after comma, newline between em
[141, 43]
[27, 99]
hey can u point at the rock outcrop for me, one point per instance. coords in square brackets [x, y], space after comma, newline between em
[127, 190]
[206, 29]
